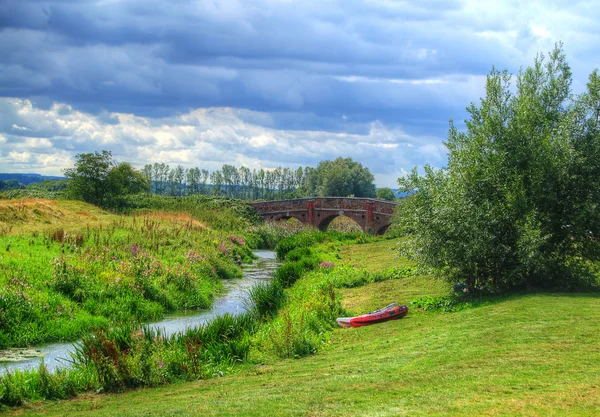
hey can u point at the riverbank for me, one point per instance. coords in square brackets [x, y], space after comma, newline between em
[532, 354]
[67, 267]
[233, 302]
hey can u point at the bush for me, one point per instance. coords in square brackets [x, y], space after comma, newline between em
[265, 299]
[517, 205]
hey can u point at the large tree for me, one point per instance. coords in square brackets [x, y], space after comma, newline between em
[342, 177]
[386, 193]
[517, 204]
[88, 180]
[98, 179]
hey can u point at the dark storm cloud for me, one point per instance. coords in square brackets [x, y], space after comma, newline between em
[330, 69]
[150, 57]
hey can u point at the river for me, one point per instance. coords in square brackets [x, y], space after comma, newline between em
[57, 355]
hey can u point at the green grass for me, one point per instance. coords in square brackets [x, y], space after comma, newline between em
[529, 354]
[376, 256]
[67, 267]
[508, 359]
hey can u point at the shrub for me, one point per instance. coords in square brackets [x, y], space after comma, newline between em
[517, 205]
[265, 299]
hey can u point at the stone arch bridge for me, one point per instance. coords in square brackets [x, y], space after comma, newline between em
[373, 216]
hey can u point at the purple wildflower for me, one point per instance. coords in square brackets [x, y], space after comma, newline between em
[223, 249]
[238, 240]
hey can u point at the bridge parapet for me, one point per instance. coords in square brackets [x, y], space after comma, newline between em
[373, 216]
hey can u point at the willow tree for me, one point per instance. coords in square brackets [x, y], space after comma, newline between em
[517, 204]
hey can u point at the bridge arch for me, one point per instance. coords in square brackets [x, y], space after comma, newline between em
[383, 229]
[326, 222]
[284, 217]
[372, 215]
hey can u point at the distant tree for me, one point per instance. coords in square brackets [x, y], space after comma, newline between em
[178, 178]
[98, 179]
[123, 179]
[10, 185]
[148, 173]
[88, 180]
[204, 178]
[216, 179]
[340, 178]
[386, 193]
[49, 185]
[193, 180]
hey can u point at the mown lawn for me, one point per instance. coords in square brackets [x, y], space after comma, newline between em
[532, 355]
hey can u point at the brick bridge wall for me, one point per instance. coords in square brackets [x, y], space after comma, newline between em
[372, 215]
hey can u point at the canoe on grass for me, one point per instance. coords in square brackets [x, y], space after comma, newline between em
[391, 312]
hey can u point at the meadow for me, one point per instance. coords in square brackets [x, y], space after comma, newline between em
[67, 267]
[71, 270]
[526, 354]
[529, 353]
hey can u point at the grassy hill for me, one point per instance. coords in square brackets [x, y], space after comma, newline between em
[529, 354]
[67, 267]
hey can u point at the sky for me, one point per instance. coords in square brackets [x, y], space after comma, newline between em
[263, 83]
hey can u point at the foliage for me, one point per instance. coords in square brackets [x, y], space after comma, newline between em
[386, 193]
[268, 234]
[97, 179]
[10, 185]
[134, 356]
[228, 181]
[58, 284]
[511, 357]
[266, 299]
[342, 177]
[310, 305]
[53, 189]
[141, 258]
[517, 204]
[220, 213]
[310, 239]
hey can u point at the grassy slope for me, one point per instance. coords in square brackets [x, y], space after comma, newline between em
[45, 313]
[41, 215]
[526, 355]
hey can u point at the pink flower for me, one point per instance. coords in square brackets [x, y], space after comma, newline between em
[223, 249]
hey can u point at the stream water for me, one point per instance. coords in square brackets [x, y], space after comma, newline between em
[57, 355]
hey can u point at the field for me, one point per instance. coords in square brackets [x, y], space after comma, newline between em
[67, 267]
[529, 354]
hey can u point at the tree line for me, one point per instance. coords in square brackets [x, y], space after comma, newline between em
[341, 177]
[98, 179]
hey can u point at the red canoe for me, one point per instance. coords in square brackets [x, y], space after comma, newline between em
[391, 312]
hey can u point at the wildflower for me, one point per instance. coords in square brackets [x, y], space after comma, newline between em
[223, 249]
[238, 240]
[162, 365]
[135, 249]
[326, 264]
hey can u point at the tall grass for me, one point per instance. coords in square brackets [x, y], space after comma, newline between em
[221, 213]
[57, 284]
[268, 234]
[134, 356]
[286, 317]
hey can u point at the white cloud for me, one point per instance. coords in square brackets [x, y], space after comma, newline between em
[20, 156]
[207, 138]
